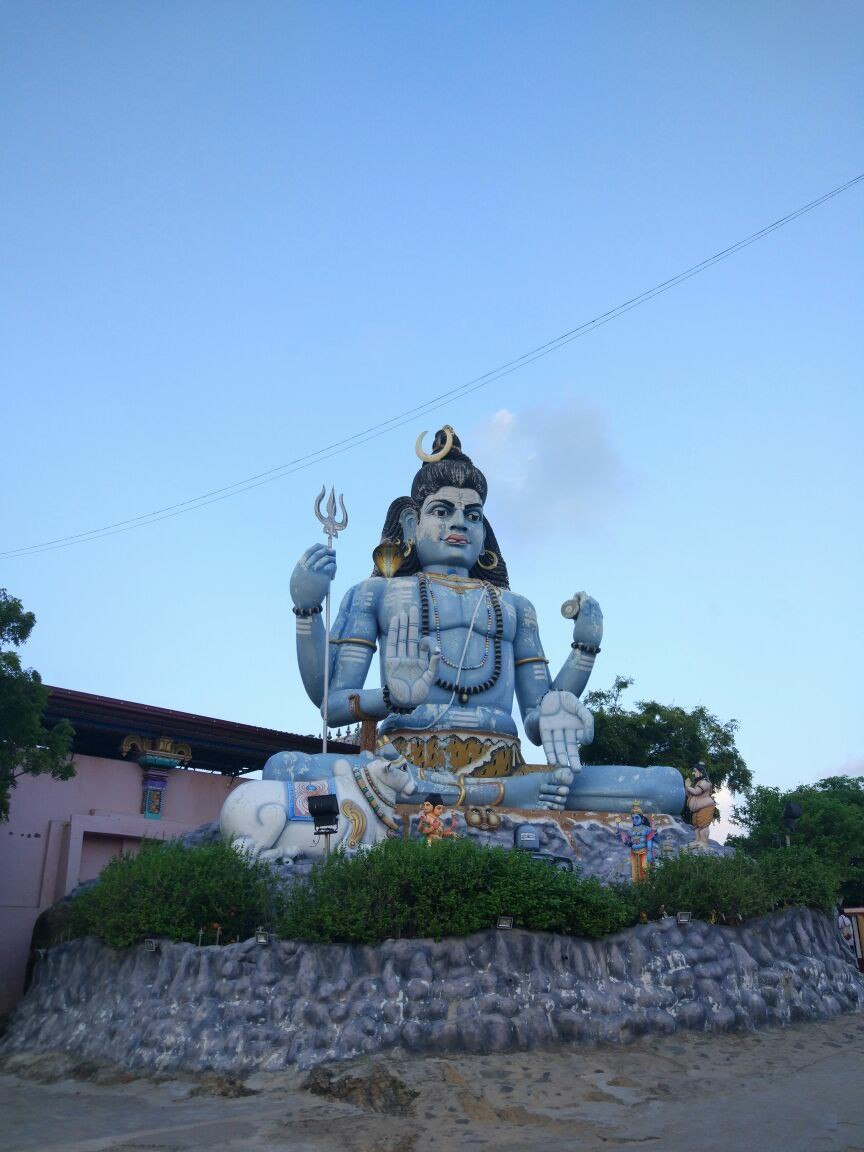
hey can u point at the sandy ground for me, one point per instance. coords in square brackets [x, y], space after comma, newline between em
[798, 1088]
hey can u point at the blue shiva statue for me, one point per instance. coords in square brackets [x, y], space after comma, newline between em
[455, 644]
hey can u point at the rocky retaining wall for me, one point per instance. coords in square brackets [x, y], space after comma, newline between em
[248, 1006]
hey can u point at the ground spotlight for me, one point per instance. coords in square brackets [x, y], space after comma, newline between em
[324, 810]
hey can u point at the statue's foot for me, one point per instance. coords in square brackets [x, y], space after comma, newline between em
[697, 846]
[246, 846]
[555, 789]
[553, 798]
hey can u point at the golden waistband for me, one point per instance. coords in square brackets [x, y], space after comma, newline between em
[479, 754]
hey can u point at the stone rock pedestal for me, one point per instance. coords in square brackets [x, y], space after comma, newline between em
[248, 1007]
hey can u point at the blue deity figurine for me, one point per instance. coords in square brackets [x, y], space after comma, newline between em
[639, 838]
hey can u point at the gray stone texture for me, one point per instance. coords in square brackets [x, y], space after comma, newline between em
[248, 1007]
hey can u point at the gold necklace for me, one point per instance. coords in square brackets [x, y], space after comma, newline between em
[460, 584]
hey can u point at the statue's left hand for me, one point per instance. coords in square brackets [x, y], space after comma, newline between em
[587, 621]
[565, 723]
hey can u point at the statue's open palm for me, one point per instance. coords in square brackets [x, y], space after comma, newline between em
[565, 723]
[410, 665]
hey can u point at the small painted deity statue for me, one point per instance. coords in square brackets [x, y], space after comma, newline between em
[700, 804]
[639, 838]
[431, 824]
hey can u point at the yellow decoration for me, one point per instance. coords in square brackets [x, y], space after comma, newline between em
[357, 816]
[434, 457]
[157, 746]
[388, 558]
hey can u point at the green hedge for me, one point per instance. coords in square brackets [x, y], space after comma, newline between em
[733, 888]
[800, 876]
[172, 891]
[408, 889]
[452, 888]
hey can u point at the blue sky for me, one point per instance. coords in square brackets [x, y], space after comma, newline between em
[236, 232]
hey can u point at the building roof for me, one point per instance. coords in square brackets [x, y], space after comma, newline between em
[101, 723]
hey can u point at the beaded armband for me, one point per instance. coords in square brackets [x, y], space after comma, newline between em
[588, 649]
[307, 611]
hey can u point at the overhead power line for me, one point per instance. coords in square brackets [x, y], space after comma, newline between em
[439, 401]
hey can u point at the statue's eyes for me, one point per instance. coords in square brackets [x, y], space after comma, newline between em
[439, 511]
[474, 517]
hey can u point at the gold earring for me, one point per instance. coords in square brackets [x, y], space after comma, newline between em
[493, 563]
[408, 549]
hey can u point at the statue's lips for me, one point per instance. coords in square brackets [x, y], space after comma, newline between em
[455, 539]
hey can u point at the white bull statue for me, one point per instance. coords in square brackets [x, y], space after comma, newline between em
[269, 818]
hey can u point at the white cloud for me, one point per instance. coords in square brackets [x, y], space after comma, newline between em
[724, 826]
[548, 465]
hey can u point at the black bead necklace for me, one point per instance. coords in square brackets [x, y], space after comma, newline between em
[465, 691]
[490, 628]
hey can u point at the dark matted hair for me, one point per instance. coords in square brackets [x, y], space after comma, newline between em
[455, 470]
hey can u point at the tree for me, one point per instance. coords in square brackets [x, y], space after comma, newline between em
[27, 747]
[652, 733]
[831, 824]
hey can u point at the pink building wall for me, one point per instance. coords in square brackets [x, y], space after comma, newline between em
[61, 833]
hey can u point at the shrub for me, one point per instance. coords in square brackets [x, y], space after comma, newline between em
[172, 891]
[451, 888]
[799, 876]
[711, 887]
[408, 889]
[727, 888]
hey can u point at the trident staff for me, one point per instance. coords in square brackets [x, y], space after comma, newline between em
[332, 528]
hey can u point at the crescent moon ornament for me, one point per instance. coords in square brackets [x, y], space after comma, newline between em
[434, 457]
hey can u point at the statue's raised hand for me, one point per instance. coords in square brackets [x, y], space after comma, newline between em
[410, 665]
[587, 619]
[565, 723]
[311, 577]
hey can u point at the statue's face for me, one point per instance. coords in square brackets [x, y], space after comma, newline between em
[450, 529]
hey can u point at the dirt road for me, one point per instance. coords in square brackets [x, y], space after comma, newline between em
[799, 1088]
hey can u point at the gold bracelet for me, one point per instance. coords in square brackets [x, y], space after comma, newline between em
[356, 640]
[531, 660]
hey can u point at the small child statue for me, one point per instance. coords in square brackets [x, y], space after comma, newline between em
[431, 823]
